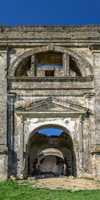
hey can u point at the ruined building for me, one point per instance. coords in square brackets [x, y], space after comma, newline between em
[49, 78]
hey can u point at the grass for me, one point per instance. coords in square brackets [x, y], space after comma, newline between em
[13, 191]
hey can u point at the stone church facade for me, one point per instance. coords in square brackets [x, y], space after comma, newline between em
[50, 77]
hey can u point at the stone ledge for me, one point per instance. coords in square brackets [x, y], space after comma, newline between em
[52, 79]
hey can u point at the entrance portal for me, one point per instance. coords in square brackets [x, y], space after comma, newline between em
[50, 153]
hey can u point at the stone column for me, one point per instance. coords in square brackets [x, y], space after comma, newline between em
[66, 64]
[81, 146]
[86, 154]
[91, 135]
[85, 144]
[32, 71]
[11, 134]
[19, 145]
[3, 115]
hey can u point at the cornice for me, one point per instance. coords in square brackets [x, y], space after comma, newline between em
[25, 36]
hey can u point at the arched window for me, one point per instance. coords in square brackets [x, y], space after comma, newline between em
[48, 64]
[74, 70]
[23, 67]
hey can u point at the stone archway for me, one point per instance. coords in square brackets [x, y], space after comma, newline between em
[50, 156]
[83, 64]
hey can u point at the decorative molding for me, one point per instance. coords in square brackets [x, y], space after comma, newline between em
[49, 104]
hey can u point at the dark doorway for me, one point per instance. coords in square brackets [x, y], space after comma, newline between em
[49, 73]
[50, 152]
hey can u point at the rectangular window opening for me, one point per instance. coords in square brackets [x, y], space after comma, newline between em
[49, 73]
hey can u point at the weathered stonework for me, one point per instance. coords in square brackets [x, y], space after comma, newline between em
[64, 93]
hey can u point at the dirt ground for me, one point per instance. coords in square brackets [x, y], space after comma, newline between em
[66, 183]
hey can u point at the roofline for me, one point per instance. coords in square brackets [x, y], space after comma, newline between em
[48, 27]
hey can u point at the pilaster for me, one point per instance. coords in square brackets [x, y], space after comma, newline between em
[3, 114]
[66, 64]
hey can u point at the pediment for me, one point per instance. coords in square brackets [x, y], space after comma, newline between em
[50, 105]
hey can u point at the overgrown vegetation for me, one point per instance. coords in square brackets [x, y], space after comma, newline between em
[11, 190]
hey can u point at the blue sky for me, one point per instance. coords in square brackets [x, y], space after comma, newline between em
[51, 131]
[51, 12]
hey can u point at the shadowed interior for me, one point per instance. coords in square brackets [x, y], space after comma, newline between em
[50, 153]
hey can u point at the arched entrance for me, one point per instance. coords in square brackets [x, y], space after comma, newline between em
[50, 153]
[49, 162]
